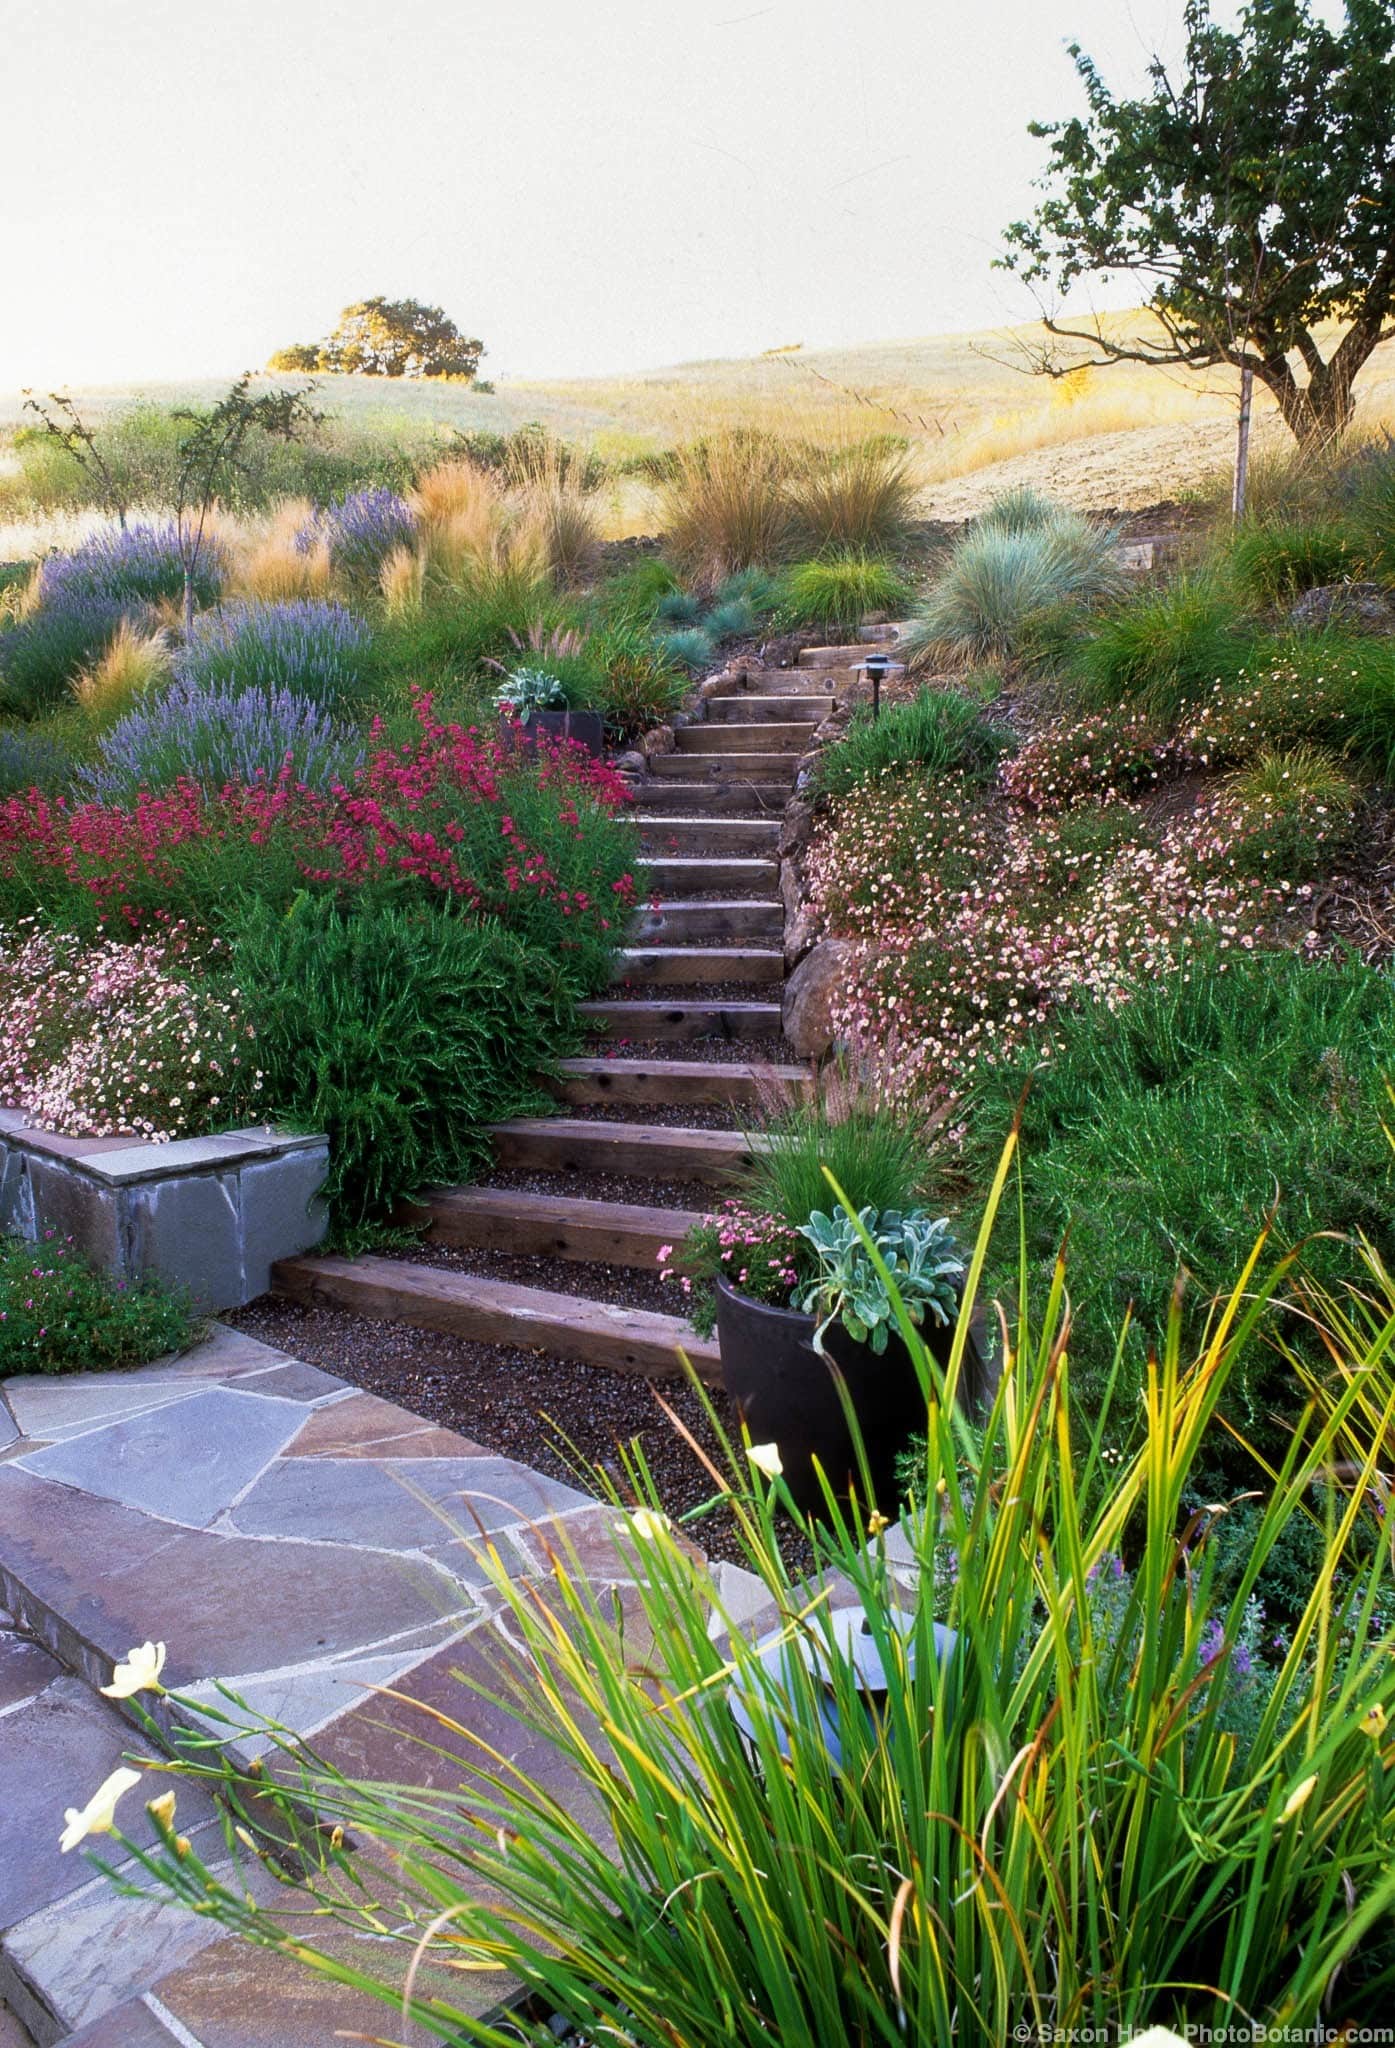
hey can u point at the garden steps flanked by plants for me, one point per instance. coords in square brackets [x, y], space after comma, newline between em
[709, 815]
[490, 1311]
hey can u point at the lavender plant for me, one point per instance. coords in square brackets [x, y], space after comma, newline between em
[219, 735]
[133, 565]
[361, 531]
[303, 646]
[40, 655]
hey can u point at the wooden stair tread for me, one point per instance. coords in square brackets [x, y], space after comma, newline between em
[563, 1144]
[673, 1082]
[556, 1226]
[649, 1017]
[492, 1311]
[697, 966]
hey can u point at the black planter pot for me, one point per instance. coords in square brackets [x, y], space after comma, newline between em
[585, 728]
[787, 1394]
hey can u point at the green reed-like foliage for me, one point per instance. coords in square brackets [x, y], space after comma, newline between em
[1050, 1820]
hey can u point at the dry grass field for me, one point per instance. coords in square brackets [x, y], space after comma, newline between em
[977, 419]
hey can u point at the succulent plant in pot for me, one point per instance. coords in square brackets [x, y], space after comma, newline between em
[803, 1313]
[531, 701]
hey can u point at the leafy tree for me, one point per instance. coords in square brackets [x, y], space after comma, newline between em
[210, 456]
[1255, 195]
[388, 338]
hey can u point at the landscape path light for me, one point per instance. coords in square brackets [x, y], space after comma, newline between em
[877, 667]
[853, 1644]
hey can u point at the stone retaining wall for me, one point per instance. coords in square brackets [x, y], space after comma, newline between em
[209, 1214]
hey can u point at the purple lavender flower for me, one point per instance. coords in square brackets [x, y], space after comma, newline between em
[361, 531]
[217, 736]
[131, 565]
[304, 646]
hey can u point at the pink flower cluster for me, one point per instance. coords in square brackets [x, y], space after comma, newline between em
[976, 920]
[1110, 753]
[754, 1252]
[119, 1039]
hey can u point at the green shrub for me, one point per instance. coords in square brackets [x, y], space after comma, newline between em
[1159, 1134]
[939, 732]
[1092, 1795]
[401, 1031]
[58, 1314]
[998, 580]
[1275, 561]
[837, 592]
[1162, 649]
[860, 498]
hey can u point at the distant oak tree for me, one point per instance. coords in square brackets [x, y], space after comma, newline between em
[1254, 196]
[387, 338]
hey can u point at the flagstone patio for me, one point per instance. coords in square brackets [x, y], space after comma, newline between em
[288, 1536]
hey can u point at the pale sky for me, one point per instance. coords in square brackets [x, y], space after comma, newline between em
[590, 185]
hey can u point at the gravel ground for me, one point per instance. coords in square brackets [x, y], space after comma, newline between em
[684, 1116]
[742, 1052]
[519, 1404]
[607, 1187]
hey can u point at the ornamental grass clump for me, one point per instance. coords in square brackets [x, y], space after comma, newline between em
[938, 732]
[837, 592]
[860, 497]
[1083, 1797]
[216, 736]
[304, 645]
[724, 503]
[134, 663]
[1162, 650]
[998, 580]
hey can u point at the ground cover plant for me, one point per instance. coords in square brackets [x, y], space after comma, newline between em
[59, 1315]
[1068, 1633]
[110, 1036]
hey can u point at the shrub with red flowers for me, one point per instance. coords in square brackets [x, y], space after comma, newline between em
[536, 841]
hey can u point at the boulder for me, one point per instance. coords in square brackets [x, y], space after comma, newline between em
[678, 719]
[796, 828]
[632, 763]
[659, 741]
[1369, 607]
[809, 995]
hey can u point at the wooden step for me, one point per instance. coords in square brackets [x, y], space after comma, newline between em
[697, 966]
[565, 1144]
[718, 736]
[850, 654]
[681, 872]
[670, 922]
[493, 1312]
[678, 1082]
[690, 832]
[737, 799]
[552, 1226]
[744, 707]
[726, 767]
[762, 684]
[649, 1021]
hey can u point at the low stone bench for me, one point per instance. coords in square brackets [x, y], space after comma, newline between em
[208, 1214]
